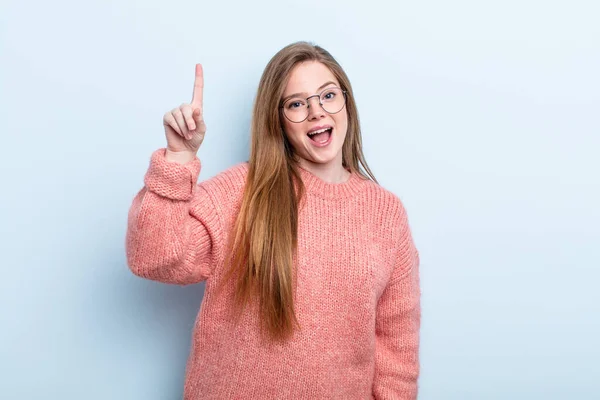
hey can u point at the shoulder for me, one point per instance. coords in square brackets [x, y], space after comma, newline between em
[223, 191]
[228, 182]
[393, 229]
[384, 203]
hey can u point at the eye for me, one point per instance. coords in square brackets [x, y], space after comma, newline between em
[329, 95]
[293, 104]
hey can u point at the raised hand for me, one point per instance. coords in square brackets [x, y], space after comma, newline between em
[184, 125]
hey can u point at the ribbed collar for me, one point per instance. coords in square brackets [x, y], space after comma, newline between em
[327, 190]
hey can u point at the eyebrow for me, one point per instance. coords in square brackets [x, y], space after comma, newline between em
[298, 94]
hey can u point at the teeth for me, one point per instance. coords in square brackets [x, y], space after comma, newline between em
[319, 131]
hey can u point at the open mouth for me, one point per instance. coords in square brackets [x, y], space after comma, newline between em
[321, 136]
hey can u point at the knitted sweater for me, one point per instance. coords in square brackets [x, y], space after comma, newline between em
[357, 297]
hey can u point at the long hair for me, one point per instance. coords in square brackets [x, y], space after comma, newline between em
[263, 242]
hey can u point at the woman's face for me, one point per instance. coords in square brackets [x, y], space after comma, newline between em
[308, 79]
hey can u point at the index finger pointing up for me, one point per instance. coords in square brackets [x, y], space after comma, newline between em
[198, 87]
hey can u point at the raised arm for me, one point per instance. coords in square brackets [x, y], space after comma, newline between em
[174, 229]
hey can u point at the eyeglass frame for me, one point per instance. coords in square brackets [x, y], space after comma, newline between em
[344, 92]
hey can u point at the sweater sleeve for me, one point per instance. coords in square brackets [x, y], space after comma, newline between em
[398, 322]
[173, 229]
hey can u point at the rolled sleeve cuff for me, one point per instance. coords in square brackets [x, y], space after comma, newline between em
[170, 179]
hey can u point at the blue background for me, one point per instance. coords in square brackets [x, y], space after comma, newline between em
[481, 116]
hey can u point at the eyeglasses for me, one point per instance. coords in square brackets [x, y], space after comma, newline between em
[332, 100]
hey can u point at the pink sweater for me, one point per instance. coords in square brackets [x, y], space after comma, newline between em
[357, 299]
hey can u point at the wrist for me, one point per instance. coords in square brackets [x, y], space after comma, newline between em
[180, 157]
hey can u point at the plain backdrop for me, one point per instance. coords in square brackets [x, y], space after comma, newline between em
[483, 117]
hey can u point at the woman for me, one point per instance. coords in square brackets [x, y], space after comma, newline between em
[312, 280]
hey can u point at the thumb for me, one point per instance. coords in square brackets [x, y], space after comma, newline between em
[198, 119]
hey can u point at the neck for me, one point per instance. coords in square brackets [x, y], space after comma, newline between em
[330, 173]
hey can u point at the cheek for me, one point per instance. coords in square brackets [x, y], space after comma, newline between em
[342, 122]
[292, 131]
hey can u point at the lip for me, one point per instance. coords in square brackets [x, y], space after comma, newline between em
[317, 128]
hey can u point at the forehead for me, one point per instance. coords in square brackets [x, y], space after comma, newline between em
[307, 77]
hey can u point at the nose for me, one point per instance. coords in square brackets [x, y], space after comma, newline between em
[315, 111]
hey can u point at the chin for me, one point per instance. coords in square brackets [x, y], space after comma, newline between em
[324, 159]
